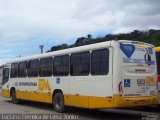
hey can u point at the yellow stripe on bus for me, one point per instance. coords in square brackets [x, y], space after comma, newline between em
[35, 96]
[86, 101]
[5, 93]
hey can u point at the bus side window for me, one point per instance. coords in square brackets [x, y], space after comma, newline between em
[100, 62]
[14, 70]
[33, 68]
[61, 65]
[80, 64]
[5, 75]
[46, 67]
[22, 69]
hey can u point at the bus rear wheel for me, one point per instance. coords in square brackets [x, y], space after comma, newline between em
[14, 98]
[58, 103]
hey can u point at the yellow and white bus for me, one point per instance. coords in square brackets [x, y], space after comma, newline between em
[110, 74]
[157, 50]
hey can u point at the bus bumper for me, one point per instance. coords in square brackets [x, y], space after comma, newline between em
[120, 101]
[6, 93]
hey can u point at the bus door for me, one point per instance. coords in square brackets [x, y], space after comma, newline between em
[5, 76]
[5, 85]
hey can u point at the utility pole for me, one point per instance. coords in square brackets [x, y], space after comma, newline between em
[41, 48]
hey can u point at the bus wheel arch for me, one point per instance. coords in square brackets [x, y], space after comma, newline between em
[11, 90]
[58, 101]
[13, 96]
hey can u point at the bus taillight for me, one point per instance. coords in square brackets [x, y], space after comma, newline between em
[120, 88]
[158, 78]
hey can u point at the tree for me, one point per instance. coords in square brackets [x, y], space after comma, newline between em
[151, 36]
[80, 41]
[89, 36]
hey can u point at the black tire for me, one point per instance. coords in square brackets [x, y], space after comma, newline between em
[58, 103]
[14, 98]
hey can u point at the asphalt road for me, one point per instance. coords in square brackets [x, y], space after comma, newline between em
[34, 110]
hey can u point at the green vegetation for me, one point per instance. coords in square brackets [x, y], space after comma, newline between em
[151, 36]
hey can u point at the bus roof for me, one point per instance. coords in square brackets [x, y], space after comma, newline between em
[73, 50]
[62, 52]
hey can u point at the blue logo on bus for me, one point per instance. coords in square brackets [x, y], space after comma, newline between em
[127, 83]
[127, 49]
[57, 80]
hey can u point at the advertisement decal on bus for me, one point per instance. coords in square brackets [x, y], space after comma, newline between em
[138, 65]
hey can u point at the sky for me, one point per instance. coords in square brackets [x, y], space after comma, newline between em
[26, 24]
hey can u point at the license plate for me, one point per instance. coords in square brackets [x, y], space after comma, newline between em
[141, 102]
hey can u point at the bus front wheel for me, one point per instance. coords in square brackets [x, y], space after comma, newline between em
[14, 98]
[59, 103]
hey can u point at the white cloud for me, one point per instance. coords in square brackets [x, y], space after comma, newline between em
[25, 23]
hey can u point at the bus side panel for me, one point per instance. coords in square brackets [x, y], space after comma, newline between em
[34, 96]
[100, 87]
[25, 91]
[100, 102]
[76, 101]
[92, 91]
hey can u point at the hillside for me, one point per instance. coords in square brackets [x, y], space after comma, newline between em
[151, 36]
